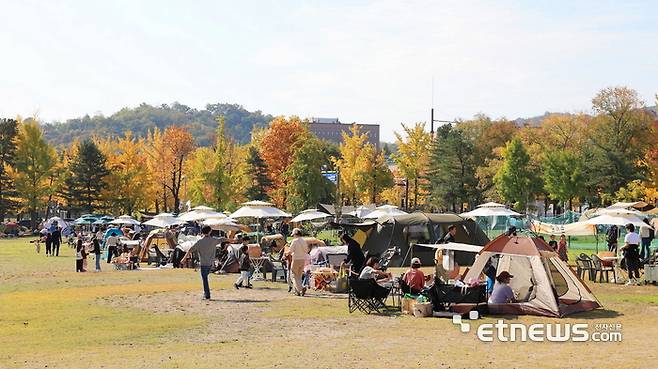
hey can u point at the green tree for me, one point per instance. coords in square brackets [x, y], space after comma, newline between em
[452, 170]
[306, 185]
[515, 181]
[619, 139]
[8, 131]
[34, 161]
[85, 181]
[259, 181]
[562, 172]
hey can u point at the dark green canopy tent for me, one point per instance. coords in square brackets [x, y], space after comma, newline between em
[404, 231]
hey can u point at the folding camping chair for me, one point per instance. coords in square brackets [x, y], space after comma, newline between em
[364, 296]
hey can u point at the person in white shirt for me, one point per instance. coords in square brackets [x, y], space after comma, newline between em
[112, 242]
[298, 253]
[631, 254]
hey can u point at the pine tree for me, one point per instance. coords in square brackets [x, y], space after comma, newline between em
[8, 131]
[452, 170]
[86, 178]
[259, 181]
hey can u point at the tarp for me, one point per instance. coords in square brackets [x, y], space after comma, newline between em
[453, 246]
[572, 229]
[424, 228]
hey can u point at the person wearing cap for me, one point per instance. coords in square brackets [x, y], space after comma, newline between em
[502, 293]
[631, 253]
[414, 277]
[298, 252]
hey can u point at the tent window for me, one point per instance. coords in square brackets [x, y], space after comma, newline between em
[561, 286]
[418, 234]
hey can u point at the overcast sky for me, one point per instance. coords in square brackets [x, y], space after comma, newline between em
[364, 61]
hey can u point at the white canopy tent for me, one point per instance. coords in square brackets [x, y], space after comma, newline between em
[619, 220]
[196, 215]
[490, 212]
[222, 224]
[361, 211]
[125, 219]
[491, 205]
[309, 214]
[384, 210]
[162, 220]
[259, 209]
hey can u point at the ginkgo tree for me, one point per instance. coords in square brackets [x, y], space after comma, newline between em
[412, 158]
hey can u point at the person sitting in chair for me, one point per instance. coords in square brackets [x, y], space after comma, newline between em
[414, 277]
[502, 292]
[371, 272]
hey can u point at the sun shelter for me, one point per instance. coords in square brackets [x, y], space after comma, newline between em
[163, 220]
[125, 220]
[308, 215]
[544, 283]
[384, 210]
[403, 231]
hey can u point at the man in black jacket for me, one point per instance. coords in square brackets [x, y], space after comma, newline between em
[57, 240]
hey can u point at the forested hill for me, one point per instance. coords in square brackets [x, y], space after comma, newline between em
[202, 123]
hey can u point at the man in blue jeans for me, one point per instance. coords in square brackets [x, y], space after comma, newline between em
[205, 247]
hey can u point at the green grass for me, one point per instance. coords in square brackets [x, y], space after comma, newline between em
[51, 316]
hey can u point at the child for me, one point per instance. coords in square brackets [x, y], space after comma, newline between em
[79, 256]
[562, 248]
[245, 267]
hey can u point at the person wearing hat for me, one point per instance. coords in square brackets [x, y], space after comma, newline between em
[502, 293]
[414, 277]
[631, 251]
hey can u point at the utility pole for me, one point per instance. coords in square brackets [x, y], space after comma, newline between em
[432, 120]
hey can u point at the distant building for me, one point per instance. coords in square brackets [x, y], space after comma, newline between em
[331, 129]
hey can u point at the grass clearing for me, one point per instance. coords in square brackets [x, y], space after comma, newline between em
[51, 316]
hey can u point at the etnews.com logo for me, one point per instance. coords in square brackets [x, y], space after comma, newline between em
[540, 332]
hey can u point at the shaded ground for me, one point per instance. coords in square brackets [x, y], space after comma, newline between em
[52, 317]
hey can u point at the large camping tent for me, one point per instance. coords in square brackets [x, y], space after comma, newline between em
[403, 231]
[546, 284]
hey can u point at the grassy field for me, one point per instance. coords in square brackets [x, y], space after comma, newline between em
[52, 317]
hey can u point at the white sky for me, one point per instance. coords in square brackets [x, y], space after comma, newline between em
[364, 61]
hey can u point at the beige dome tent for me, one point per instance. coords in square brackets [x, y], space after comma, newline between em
[545, 284]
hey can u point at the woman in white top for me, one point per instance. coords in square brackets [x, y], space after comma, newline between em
[298, 252]
[632, 254]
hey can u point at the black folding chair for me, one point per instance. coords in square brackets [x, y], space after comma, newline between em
[366, 296]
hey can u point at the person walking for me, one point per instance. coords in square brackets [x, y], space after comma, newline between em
[206, 248]
[57, 240]
[631, 254]
[245, 268]
[298, 252]
[97, 253]
[49, 243]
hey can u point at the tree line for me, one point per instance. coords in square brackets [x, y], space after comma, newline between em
[567, 160]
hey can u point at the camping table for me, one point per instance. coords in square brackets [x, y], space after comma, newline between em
[619, 273]
[257, 264]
